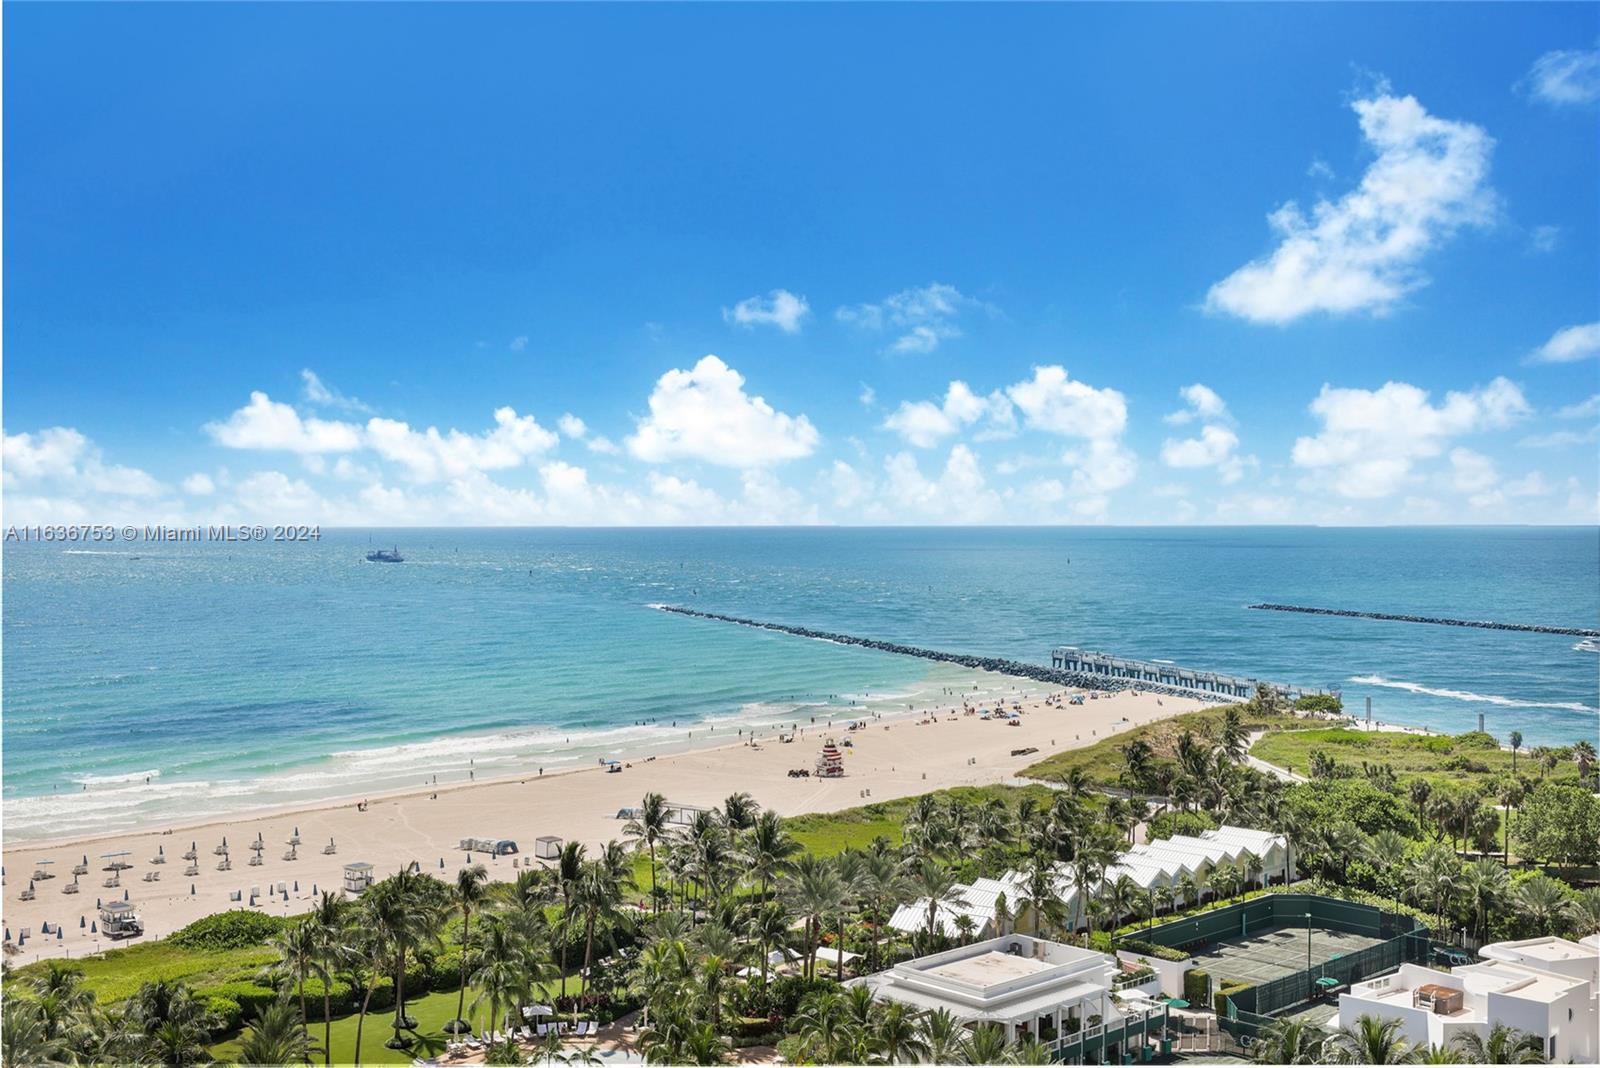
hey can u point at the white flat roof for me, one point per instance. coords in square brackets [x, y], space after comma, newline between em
[989, 969]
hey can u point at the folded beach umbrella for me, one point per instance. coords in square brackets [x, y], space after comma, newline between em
[8, 934]
[83, 921]
[59, 935]
[94, 928]
[124, 895]
[297, 886]
[191, 888]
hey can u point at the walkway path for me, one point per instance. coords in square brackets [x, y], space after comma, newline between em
[1270, 769]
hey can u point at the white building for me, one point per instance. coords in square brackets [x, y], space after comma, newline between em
[1163, 864]
[1029, 987]
[1542, 986]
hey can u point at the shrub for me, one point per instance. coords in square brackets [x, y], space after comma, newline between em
[1228, 988]
[1169, 824]
[237, 929]
[1150, 949]
[1196, 986]
[249, 998]
[1319, 702]
[226, 1009]
[342, 999]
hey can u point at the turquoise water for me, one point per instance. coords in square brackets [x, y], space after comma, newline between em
[236, 677]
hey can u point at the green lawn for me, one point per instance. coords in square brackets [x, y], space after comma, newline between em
[1463, 758]
[431, 1011]
[120, 972]
[1102, 763]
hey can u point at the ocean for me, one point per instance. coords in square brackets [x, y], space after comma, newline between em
[160, 683]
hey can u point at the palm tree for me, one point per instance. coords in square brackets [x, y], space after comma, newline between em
[1503, 1045]
[327, 919]
[849, 865]
[24, 1041]
[368, 951]
[399, 908]
[599, 894]
[298, 952]
[1484, 885]
[649, 826]
[900, 1033]
[1432, 880]
[1584, 756]
[1586, 911]
[882, 886]
[936, 883]
[504, 976]
[1516, 743]
[1290, 1042]
[1419, 790]
[568, 869]
[739, 811]
[769, 927]
[470, 891]
[814, 892]
[1039, 893]
[1371, 1041]
[277, 1036]
[170, 1026]
[985, 1044]
[1541, 906]
[1509, 794]
[942, 1037]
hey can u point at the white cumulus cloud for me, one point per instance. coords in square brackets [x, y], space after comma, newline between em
[429, 455]
[1361, 252]
[924, 424]
[1371, 439]
[779, 308]
[1570, 345]
[705, 414]
[268, 424]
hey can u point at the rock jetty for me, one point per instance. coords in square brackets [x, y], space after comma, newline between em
[1081, 680]
[1482, 624]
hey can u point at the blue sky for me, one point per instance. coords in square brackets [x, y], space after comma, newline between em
[466, 265]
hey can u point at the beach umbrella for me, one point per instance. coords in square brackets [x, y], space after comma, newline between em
[191, 888]
[161, 850]
[313, 889]
[94, 928]
[44, 928]
[8, 934]
[441, 863]
[30, 884]
[59, 935]
[96, 902]
[297, 886]
[124, 895]
[82, 922]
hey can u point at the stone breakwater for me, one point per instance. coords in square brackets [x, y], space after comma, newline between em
[1483, 624]
[1081, 680]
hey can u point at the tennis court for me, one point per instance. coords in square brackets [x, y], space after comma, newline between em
[1277, 951]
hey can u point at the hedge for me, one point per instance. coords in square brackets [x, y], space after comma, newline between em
[1228, 988]
[1196, 986]
[1150, 949]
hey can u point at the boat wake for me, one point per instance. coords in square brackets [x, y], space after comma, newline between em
[1467, 695]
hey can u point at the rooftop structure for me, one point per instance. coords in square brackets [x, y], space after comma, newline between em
[1157, 673]
[1031, 988]
[1543, 986]
[1163, 863]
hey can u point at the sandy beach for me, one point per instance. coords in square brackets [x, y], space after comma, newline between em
[894, 757]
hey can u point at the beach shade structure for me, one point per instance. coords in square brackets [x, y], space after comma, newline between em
[1177, 1003]
[1327, 982]
[529, 1012]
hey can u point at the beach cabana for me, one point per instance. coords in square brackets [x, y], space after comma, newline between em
[547, 847]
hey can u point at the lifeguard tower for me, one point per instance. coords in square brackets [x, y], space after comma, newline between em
[357, 876]
[830, 765]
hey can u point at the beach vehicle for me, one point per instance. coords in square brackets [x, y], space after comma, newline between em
[495, 847]
[386, 556]
[118, 920]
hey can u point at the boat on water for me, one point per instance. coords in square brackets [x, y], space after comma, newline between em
[386, 556]
[1588, 645]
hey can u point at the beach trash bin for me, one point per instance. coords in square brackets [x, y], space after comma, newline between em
[1166, 1046]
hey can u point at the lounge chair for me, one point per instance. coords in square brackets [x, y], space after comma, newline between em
[542, 1030]
[584, 1028]
[527, 1033]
